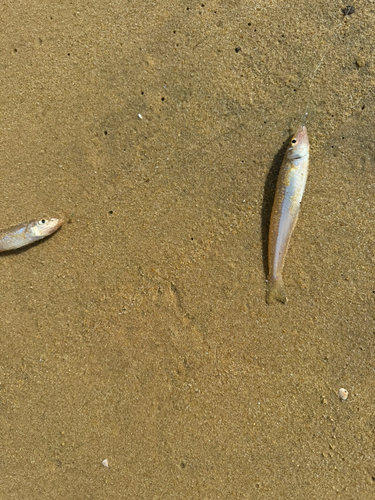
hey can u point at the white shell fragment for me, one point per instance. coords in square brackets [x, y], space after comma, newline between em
[140, 116]
[105, 463]
[343, 393]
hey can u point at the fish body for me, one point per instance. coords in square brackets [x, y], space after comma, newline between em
[27, 233]
[289, 191]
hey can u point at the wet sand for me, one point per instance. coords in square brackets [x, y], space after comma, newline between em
[139, 332]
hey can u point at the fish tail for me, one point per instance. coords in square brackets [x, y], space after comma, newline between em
[276, 291]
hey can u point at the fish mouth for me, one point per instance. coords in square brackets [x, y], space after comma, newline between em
[55, 225]
[301, 136]
[58, 223]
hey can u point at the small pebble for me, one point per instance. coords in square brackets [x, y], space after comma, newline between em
[105, 463]
[140, 116]
[343, 393]
[360, 62]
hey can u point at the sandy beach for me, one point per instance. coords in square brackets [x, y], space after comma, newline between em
[139, 333]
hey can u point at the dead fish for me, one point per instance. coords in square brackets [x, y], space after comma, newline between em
[27, 233]
[289, 191]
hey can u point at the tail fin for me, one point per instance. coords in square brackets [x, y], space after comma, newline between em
[276, 291]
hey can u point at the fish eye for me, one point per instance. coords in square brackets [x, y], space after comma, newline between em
[294, 141]
[43, 221]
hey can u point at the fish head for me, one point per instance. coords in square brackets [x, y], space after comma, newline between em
[44, 227]
[299, 145]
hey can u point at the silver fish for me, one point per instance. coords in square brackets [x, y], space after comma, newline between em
[289, 191]
[27, 233]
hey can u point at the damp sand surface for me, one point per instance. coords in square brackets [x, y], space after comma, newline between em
[139, 333]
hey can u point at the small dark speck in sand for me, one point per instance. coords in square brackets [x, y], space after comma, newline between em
[348, 10]
[237, 49]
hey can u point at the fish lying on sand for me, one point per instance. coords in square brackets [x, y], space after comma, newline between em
[289, 190]
[27, 233]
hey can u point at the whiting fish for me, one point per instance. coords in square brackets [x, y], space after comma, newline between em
[289, 191]
[27, 233]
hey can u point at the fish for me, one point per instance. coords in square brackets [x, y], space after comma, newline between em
[28, 232]
[290, 186]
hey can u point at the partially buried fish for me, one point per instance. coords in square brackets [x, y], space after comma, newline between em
[27, 233]
[289, 190]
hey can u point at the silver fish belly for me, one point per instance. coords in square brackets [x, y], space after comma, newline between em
[289, 191]
[27, 233]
